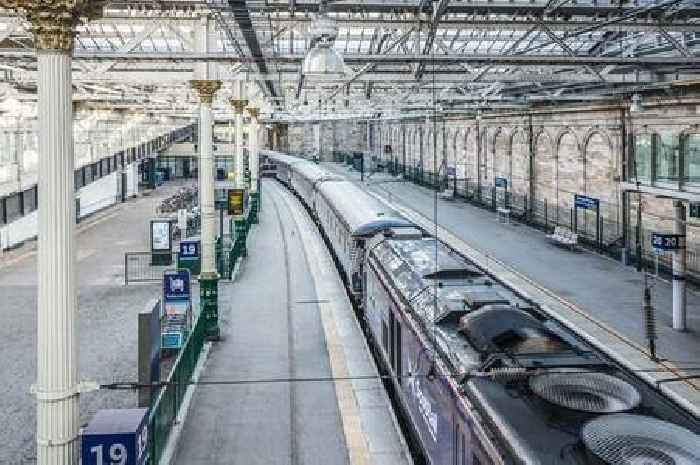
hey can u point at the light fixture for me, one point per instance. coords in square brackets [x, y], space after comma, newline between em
[636, 105]
[323, 61]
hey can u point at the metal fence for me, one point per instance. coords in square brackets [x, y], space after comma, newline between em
[603, 234]
[142, 267]
[163, 412]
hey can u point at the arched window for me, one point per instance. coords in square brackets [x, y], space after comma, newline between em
[643, 149]
[691, 159]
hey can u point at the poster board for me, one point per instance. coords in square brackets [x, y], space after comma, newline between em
[236, 202]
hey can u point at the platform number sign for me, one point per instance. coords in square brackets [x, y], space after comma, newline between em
[189, 249]
[585, 202]
[116, 437]
[661, 241]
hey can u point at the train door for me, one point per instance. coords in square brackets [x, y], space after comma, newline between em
[463, 454]
[395, 345]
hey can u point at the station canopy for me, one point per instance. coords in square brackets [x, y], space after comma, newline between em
[400, 57]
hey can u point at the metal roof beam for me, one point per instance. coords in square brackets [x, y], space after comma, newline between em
[438, 10]
[393, 58]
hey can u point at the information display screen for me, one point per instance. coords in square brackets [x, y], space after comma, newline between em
[236, 202]
[160, 235]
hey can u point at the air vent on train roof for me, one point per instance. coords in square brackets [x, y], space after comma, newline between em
[478, 298]
[586, 391]
[625, 439]
[498, 328]
[453, 273]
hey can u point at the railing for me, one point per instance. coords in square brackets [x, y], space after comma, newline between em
[142, 267]
[164, 410]
[603, 234]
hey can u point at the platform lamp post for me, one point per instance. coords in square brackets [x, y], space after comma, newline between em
[253, 162]
[208, 277]
[54, 23]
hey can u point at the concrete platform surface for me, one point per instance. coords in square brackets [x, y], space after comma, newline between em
[289, 318]
[599, 296]
[107, 320]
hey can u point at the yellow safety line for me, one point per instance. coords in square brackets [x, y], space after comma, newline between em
[355, 438]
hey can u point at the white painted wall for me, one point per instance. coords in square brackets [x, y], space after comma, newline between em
[132, 180]
[100, 194]
[20, 230]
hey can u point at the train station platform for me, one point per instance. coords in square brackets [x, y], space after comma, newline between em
[598, 297]
[108, 319]
[267, 393]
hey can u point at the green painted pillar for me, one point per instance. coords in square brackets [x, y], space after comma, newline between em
[254, 207]
[209, 304]
[241, 237]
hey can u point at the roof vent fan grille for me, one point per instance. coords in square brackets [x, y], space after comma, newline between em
[586, 391]
[624, 439]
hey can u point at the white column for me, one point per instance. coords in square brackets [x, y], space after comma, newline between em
[239, 104]
[206, 189]
[57, 339]
[253, 149]
[207, 89]
[240, 167]
[679, 267]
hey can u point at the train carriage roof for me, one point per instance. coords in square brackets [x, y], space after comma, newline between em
[314, 172]
[281, 158]
[363, 214]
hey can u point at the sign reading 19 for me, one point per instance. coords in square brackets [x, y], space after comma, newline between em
[118, 454]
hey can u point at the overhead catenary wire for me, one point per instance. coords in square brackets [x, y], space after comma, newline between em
[132, 385]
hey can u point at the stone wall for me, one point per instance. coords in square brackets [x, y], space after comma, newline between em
[335, 137]
[576, 150]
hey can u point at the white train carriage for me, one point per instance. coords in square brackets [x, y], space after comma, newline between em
[305, 178]
[283, 164]
[349, 216]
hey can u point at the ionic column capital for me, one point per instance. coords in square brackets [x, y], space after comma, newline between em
[239, 105]
[206, 88]
[54, 22]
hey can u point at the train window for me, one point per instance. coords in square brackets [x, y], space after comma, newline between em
[397, 353]
[385, 337]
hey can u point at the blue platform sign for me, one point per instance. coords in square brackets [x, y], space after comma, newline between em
[176, 285]
[451, 171]
[501, 182]
[585, 202]
[189, 249]
[116, 437]
[661, 241]
[177, 308]
[172, 339]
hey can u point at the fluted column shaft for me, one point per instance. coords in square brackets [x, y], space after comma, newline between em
[206, 189]
[240, 166]
[207, 89]
[253, 152]
[57, 340]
